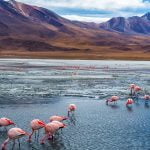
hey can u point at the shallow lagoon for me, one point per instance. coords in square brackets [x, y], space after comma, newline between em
[41, 88]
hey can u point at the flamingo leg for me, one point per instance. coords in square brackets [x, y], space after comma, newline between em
[13, 144]
[5, 129]
[30, 136]
[38, 134]
[19, 143]
[68, 113]
[35, 134]
[52, 137]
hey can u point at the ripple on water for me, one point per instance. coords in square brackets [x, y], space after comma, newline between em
[41, 88]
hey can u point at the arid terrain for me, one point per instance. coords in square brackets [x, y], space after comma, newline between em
[34, 32]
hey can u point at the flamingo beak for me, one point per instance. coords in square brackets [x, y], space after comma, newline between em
[12, 123]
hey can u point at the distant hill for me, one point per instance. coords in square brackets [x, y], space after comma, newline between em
[35, 32]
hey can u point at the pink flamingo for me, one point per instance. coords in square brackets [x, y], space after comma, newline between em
[4, 122]
[147, 97]
[137, 89]
[50, 130]
[71, 108]
[129, 102]
[132, 86]
[57, 118]
[112, 99]
[36, 125]
[13, 134]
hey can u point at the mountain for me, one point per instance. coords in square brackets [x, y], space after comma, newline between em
[33, 32]
[131, 25]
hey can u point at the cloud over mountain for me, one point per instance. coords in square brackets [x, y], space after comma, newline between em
[81, 10]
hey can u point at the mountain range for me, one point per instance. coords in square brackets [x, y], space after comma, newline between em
[131, 25]
[33, 32]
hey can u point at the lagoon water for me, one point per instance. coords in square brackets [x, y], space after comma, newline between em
[41, 88]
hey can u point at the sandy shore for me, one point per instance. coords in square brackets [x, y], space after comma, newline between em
[77, 55]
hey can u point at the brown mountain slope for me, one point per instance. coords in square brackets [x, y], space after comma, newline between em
[34, 32]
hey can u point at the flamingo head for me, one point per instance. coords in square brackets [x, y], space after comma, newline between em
[10, 122]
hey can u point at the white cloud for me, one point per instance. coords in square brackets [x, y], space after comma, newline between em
[116, 7]
[110, 5]
[86, 18]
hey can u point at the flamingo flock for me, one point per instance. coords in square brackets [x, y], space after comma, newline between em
[134, 90]
[56, 123]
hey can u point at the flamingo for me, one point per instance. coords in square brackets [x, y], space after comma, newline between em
[71, 108]
[36, 124]
[137, 89]
[50, 130]
[129, 102]
[13, 134]
[4, 122]
[132, 86]
[58, 118]
[147, 97]
[112, 99]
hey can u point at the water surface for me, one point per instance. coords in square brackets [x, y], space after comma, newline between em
[40, 88]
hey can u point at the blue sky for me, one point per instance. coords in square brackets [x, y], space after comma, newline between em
[94, 10]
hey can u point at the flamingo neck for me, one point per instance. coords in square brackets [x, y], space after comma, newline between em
[5, 144]
[131, 91]
[31, 135]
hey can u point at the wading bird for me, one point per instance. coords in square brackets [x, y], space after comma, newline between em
[50, 130]
[137, 89]
[71, 108]
[129, 102]
[36, 124]
[147, 97]
[13, 134]
[4, 122]
[112, 99]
